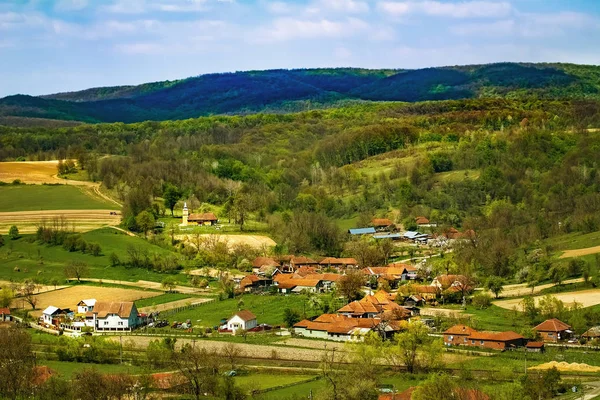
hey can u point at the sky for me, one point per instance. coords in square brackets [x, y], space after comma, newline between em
[49, 46]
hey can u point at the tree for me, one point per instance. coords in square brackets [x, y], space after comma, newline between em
[439, 387]
[6, 297]
[232, 353]
[169, 283]
[13, 233]
[541, 385]
[495, 285]
[145, 221]
[482, 300]
[200, 369]
[54, 282]
[557, 273]
[76, 269]
[350, 285]
[171, 196]
[1, 241]
[407, 346]
[291, 317]
[29, 289]
[16, 363]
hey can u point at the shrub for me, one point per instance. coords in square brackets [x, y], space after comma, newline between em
[482, 300]
[13, 232]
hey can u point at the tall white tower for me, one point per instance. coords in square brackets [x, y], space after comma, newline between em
[185, 214]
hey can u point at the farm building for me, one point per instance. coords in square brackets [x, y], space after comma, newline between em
[86, 305]
[535, 347]
[5, 315]
[332, 262]
[362, 231]
[592, 333]
[553, 330]
[382, 224]
[255, 283]
[341, 328]
[244, 320]
[53, 315]
[203, 219]
[462, 335]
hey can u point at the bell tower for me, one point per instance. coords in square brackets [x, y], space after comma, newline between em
[185, 214]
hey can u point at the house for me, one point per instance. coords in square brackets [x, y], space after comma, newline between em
[115, 316]
[362, 231]
[301, 261]
[5, 315]
[393, 273]
[422, 221]
[254, 283]
[375, 306]
[592, 333]
[342, 328]
[462, 335]
[416, 237]
[535, 347]
[332, 262]
[496, 340]
[244, 320]
[86, 305]
[426, 292]
[50, 315]
[297, 285]
[203, 219]
[262, 264]
[391, 236]
[445, 282]
[381, 224]
[553, 330]
[457, 335]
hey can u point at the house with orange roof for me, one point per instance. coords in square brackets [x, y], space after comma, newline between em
[553, 330]
[255, 283]
[462, 335]
[376, 306]
[314, 283]
[332, 262]
[203, 218]
[445, 282]
[5, 315]
[382, 224]
[342, 328]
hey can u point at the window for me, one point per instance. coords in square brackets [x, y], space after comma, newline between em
[472, 342]
[120, 323]
[105, 322]
[481, 342]
[465, 340]
[550, 334]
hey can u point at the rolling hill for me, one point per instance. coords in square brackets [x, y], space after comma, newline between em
[293, 90]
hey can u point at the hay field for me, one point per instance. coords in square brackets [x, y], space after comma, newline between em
[79, 220]
[255, 241]
[30, 171]
[580, 252]
[586, 298]
[69, 297]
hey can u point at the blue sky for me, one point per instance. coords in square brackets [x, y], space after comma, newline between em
[50, 46]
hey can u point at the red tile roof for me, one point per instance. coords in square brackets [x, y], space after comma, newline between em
[552, 325]
[265, 261]
[534, 345]
[495, 336]
[203, 217]
[459, 330]
[421, 221]
[245, 315]
[338, 261]
[381, 222]
[5, 311]
[302, 260]
[122, 309]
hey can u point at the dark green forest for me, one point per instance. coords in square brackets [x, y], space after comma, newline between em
[278, 91]
[528, 169]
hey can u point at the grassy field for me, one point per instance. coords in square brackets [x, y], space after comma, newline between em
[49, 197]
[161, 299]
[495, 318]
[48, 262]
[263, 381]
[572, 241]
[268, 309]
[67, 369]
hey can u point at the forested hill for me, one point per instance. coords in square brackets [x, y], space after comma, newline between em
[294, 90]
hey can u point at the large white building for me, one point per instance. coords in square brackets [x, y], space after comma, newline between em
[241, 320]
[115, 316]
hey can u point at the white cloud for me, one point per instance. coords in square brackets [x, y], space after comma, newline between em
[344, 6]
[71, 5]
[283, 29]
[464, 9]
[278, 7]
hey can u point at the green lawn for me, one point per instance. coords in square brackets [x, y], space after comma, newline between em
[48, 262]
[348, 223]
[301, 391]
[49, 197]
[495, 318]
[161, 299]
[67, 369]
[268, 309]
[263, 381]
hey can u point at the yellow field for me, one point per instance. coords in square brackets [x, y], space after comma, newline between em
[586, 298]
[256, 241]
[30, 171]
[580, 252]
[79, 220]
[69, 297]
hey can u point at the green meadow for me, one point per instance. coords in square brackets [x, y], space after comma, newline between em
[49, 197]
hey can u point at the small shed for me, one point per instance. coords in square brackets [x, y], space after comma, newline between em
[241, 320]
[535, 347]
[5, 315]
[50, 313]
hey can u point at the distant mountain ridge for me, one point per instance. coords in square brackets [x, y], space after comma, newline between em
[293, 90]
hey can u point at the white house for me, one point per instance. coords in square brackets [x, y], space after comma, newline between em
[115, 316]
[242, 320]
[86, 305]
[49, 314]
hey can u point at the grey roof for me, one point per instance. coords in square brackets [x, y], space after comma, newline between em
[361, 231]
[388, 236]
[51, 310]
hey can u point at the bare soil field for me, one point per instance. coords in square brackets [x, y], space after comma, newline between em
[69, 297]
[256, 241]
[586, 298]
[443, 312]
[172, 305]
[521, 289]
[580, 252]
[30, 171]
[146, 285]
[81, 220]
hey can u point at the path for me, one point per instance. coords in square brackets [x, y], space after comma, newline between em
[95, 187]
[173, 304]
[123, 230]
[145, 285]
[521, 289]
[580, 252]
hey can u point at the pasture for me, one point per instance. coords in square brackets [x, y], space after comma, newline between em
[69, 297]
[50, 197]
[25, 258]
[255, 241]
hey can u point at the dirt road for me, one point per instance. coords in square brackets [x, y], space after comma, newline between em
[81, 220]
[521, 289]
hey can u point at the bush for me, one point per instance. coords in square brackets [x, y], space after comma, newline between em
[1, 241]
[482, 300]
[13, 232]
[95, 249]
[114, 260]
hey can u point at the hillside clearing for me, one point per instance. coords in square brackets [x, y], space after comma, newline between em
[30, 171]
[51, 197]
[76, 220]
[69, 297]
[255, 241]
[580, 252]
[586, 298]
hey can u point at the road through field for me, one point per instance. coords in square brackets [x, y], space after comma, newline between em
[81, 220]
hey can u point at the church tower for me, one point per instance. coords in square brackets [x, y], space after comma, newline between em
[185, 214]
